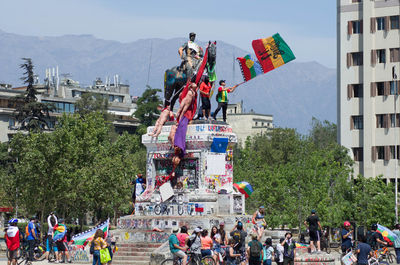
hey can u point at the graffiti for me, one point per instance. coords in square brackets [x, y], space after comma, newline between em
[217, 128]
[214, 222]
[237, 204]
[158, 237]
[134, 223]
[196, 145]
[81, 255]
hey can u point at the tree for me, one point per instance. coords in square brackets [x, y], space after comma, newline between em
[30, 114]
[323, 134]
[91, 102]
[147, 107]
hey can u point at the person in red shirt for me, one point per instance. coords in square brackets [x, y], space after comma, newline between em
[205, 90]
[12, 241]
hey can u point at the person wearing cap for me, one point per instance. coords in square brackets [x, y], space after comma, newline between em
[222, 99]
[289, 248]
[12, 241]
[175, 248]
[259, 221]
[31, 236]
[190, 53]
[194, 240]
[239, 235]
[313, 224]
[347, 236]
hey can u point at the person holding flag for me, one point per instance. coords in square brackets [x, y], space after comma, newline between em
[222, 99]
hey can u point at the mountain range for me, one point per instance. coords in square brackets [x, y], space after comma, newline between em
[293, 93]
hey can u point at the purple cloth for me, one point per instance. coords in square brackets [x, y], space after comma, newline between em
[180, 135]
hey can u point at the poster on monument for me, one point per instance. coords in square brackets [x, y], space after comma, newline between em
[215, 164]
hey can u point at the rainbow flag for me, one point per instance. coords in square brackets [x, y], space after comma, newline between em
[83, 238]
[244, 188]
[272, 52]
[387, 234]
[301, 245]
[250, 67]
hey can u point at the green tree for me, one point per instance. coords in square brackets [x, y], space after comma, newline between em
[147, 107]
[31, 114]
[91, 102]
[323, 134]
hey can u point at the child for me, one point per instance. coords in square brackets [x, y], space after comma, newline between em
[268, 252]
[187, 101]
[165, 115]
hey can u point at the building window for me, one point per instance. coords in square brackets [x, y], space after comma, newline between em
[381, 55]
[357, 122]
[256, 124]
[380, 121]
[392, 120]
[393, 87]
[392, 152]
[381, 152]
[358, 153]
[358, 90]
[395, 55]
[11, 122]
[354, 59]
[380, 23]
[380, 88]
[356, 1]
[394, 22]
[357, 26]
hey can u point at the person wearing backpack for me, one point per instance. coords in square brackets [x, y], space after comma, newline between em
[31, 236]
[289, 246]
[268, 251]
[375, 239]
[255, 251]
[279, 249]
[231, 254]
[194, 242]
[239, 236]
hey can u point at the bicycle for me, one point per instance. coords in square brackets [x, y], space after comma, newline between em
[192, 259]
[384, 254]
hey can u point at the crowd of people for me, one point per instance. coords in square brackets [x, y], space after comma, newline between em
[229, 247]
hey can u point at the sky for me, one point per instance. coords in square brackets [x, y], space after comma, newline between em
[308, 26]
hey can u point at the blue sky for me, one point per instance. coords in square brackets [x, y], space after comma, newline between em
[309, 26]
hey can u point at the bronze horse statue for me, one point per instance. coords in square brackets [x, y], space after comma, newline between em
[175, 78]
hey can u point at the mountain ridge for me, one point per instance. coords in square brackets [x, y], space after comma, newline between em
[293, 93]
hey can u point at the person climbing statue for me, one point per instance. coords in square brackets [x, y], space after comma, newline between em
[190, 53]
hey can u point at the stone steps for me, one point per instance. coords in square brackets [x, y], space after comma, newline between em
[134, 253]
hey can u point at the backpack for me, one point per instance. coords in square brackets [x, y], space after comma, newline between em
[371, 240]
[27, 233]
[190, 242]
[276, 254]
[237, 239]
[255, 249]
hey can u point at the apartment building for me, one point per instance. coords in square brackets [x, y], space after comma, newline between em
[368, 68]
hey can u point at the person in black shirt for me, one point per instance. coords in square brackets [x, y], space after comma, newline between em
[313, 224]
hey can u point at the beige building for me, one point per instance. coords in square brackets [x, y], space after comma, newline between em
[63, 94]
[246, 124]
[368, 67]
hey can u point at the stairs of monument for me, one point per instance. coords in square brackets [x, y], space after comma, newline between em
[134, 253]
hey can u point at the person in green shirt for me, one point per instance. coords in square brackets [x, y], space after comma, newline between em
[222, 99]
[174, 247]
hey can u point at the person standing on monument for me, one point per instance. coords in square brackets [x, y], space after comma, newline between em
[259, 221]
[222, 99]
[205, 91]
[313, 224]
[139, 185]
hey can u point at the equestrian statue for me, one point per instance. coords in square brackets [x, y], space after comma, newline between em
[176, 77]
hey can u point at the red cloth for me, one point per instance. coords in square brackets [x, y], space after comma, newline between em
[12, 238]
[192, 109]
[205, 88]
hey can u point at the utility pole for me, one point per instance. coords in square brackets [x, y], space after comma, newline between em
[395, 84]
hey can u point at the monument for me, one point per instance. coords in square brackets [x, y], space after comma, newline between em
[204, 178]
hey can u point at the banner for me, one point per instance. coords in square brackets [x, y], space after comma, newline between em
[83, 238]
